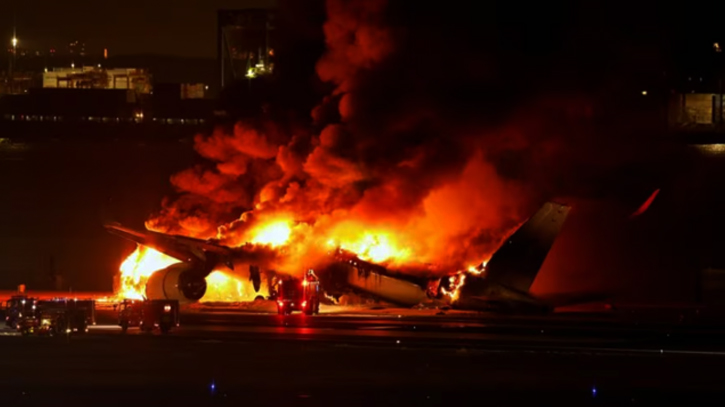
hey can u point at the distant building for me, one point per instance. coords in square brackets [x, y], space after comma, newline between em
[138, 80]
[246, 40]
[193, 90]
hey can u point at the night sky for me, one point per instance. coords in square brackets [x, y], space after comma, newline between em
[182, 28]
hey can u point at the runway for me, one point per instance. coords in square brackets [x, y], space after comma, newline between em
[262, 359]
[454, 331]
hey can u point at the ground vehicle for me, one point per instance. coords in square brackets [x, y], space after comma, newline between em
[17, 307]
[87, 306]
[149, 314]
[54, 317]
[299, 295]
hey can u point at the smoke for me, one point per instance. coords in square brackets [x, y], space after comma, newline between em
[434, 136]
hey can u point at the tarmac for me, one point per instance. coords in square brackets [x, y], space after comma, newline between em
[369, 358]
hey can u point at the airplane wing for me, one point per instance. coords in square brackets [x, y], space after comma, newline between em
[204, 254]
[179, 247]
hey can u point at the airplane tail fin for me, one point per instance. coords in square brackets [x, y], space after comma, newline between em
[517, 262]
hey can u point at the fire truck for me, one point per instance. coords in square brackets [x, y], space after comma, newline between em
[87, 306]
[299, 295]
[17, 307]
[149, 315]
[53, 318]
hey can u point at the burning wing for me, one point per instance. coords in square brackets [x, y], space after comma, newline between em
[185, 281]
[183, 248]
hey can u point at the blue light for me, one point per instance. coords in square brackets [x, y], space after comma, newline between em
[594, 392]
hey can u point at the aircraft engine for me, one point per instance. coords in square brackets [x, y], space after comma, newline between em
[179, 281]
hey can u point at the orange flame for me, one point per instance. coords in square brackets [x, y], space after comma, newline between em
[145, 261]
[222, 287]
[276, 233]
[137, 268]
[459, 279]
[378, 247]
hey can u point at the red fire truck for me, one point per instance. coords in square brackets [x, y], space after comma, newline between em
[299, 295]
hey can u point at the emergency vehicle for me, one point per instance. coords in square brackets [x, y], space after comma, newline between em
[53, 318]
[17, 307]
[149, 315]
[299, 295]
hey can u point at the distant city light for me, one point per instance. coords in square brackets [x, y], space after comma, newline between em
[15, 42]
[72, 65]
[206, 87]
[99, 65]
[644, 93]
[46, 69]
[716, 46]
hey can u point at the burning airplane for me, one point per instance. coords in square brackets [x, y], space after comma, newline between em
[388, 188]
[502, 283]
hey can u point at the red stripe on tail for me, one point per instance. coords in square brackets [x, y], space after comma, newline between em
[645, 205]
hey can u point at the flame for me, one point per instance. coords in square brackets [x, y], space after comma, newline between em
[275, 234]
[222, 287]
[456, 282]
[459, 279]
[137, 268]
[145, 261]
[375, 247]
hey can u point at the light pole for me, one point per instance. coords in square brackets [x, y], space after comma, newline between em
[14, 41]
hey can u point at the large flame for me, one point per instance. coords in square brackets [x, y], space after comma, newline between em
[145, 261]
[223, 287]
[375, 247]
[275, 233]
[137, 268]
